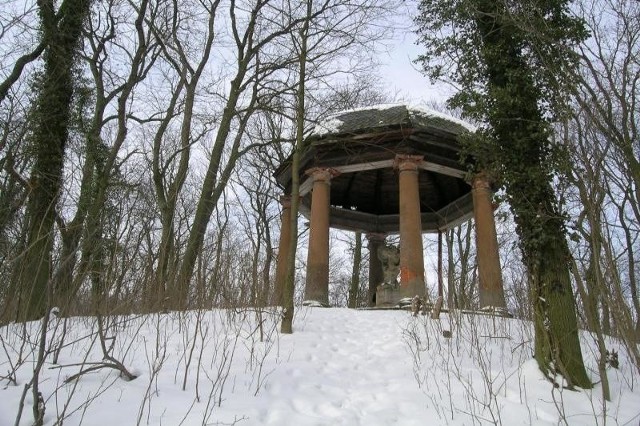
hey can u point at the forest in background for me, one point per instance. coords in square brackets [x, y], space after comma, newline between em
[138, 142]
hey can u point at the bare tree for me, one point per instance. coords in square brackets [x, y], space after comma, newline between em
[354, 285]
[15, 31]
[253, 33]
[170, 162]
[461, 267]
[97, 170]
[258, 213]
[329, 30]
[608, 97]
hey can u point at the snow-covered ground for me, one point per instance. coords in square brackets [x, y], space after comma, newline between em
[340, 367]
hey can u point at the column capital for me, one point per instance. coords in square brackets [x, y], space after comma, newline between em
[324, 174]
[285, 201]
[375, 236]
[481, 181]
[407, 162]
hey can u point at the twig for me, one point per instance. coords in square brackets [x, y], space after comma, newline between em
[114, 364]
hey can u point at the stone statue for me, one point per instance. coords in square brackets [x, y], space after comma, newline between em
[389, 256]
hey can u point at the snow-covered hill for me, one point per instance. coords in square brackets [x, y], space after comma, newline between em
[340, 367]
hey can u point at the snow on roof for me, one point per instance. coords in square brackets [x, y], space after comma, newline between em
[329, 125]
[335, 122]
[416, 109]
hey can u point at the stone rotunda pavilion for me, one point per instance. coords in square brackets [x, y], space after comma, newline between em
[389, 170]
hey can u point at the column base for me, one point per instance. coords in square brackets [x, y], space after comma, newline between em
[387, 295]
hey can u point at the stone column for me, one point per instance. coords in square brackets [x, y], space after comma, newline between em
[376, 275]
[284, 248]
[489, 271]
[317, 285]
[411, 255]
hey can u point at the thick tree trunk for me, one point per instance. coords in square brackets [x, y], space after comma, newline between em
[61, 34]
[168, 188]
[212, 188]
[557, 344]
[523, 151]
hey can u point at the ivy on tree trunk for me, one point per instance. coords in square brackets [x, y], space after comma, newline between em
[61, 35]
[510, 65]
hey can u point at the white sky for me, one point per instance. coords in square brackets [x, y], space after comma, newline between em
[400, 74]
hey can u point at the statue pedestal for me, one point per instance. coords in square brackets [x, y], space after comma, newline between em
[387, 295]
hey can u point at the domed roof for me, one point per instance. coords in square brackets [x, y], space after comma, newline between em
[379, 117]
[361, 145]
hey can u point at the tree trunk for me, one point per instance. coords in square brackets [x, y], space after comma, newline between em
[212, 188]
[65, 286]
[452, 297]
[61, 34]
[355, 273]
[92, 245]
[631, 268]
[522, 139]
[167, 189]
[289, 285]
[467, 269]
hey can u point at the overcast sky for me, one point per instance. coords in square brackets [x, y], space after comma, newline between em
[401, 76]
